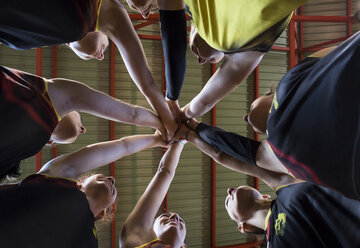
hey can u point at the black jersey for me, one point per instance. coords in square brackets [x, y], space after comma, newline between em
[37, 23]
[309, 215]
[28, 117]
[43, 212]
[314, 122]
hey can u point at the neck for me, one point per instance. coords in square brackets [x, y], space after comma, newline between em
[260, 216]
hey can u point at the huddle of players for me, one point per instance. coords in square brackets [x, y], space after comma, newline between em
[304, 213]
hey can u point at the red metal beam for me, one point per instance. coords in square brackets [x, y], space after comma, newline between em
[302, 18]
[292, 55]
[39, 73]
[149, 37]
[279, 48]
[253, 244]
[112, 133]
[321, 45]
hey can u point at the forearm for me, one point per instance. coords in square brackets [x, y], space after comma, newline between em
[235, 68]
[174, 35]
[94, 156]
[122, 33]
[68, 95]
[146, 208]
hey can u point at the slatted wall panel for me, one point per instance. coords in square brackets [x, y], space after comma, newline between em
[355, 6]
[316, 32]
[133, 173]
[96, 74]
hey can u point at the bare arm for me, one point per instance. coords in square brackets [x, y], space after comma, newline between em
[72, 165]
[235, 68]
[138, 226]
[116, 24]
[67, 95]
[271, 178]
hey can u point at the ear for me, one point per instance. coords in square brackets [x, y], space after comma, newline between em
[266, 196]
[100, 215]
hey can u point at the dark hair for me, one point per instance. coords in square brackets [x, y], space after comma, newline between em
[10, 171]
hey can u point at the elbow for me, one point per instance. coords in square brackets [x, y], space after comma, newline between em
[164, 171]
[217, 155]
[133, 114]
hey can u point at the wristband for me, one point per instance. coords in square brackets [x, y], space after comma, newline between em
[180, 142]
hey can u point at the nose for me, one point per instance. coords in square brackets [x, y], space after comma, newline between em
[82, 129]
[100, 56]
[111, 179]
[246, 117]
[174, 216]
[230, 190]
[201, 61]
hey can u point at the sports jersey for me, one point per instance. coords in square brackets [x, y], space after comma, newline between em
[156, 243]
[37, 23]
[309, 215]
[230, 25]
[28, 117]
[232, 144]
[42, 212]
[314, 122]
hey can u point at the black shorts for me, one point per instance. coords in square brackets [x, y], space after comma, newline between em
[36, 23]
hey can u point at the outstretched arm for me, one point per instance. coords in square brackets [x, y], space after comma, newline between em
[235, 68]
[116, 24]
[174, 40]
[72, 165]
[271, 178]
[67, 95]
[138, 226]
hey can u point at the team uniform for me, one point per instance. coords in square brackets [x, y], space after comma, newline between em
[28, 117]
[156, 243]
[314, 122]
[309, 215]
[232, 144]
[235, 26]
[229, 26]
[29, 24]
[43, 211]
